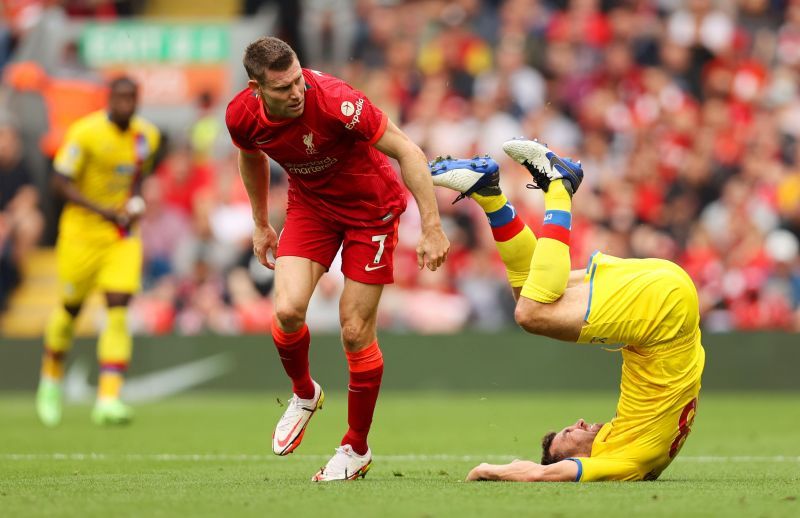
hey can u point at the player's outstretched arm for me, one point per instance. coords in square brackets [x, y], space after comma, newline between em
[254, 170]
[526, 471]
[433, 244]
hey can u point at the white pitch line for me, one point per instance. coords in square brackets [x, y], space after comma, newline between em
[217, 457]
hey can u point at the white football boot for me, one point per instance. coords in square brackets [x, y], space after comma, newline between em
[292, 426]
[345, 465]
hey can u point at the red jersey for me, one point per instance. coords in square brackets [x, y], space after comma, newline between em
[327, 152]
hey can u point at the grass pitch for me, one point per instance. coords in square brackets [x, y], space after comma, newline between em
[209, 455]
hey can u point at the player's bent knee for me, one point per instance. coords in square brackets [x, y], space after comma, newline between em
[356, 334]
[290, 318]
[527, 316]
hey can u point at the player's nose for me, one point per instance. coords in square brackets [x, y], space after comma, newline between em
[297, 93]
[581, 424]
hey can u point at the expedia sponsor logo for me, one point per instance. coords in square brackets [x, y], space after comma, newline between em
[357, 117]
[316, 166]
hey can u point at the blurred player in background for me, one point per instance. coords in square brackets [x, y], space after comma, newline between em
[647, 308]
[333, 143]
[99, 171]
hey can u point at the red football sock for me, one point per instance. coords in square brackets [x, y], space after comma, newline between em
[293, 351]
[366, 371]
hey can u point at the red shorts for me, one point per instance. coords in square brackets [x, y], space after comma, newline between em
[367, 252]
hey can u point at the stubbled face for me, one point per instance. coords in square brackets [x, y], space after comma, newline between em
[283, 91]
[575, 440]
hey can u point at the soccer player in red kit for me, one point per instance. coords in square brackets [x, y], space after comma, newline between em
[343, 192]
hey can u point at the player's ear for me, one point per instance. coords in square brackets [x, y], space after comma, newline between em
[253, 85]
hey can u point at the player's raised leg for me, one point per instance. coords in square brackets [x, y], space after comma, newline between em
[559, 179]
[295, 279]
[358, 310]
[479, 179]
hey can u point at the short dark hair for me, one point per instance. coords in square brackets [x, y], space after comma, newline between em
[548, 457]
[122, 81]
[267, 53]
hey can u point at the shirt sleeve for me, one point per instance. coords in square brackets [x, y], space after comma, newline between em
[596, 469]
[71, 156]
[232, 120]
[356, 113]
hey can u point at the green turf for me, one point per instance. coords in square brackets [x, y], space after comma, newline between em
[208, 455]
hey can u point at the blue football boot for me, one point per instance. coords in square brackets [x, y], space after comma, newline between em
[544, 165]
[475, 175]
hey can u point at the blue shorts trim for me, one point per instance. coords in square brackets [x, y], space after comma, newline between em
[591, 260]
[591, 290]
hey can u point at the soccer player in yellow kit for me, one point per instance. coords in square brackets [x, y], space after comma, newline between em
[646, 307]
[99, 169]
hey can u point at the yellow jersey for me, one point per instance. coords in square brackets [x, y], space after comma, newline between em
[650, 307]
[104, 162]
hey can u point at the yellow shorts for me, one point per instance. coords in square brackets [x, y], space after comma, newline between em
[639, 302]
[114, 266]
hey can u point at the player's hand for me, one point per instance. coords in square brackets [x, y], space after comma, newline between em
[432, 248]
[479, 472]
[134, 209]
[120, 219]
[265, 240]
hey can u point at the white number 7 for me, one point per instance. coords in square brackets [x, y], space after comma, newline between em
[380, 239]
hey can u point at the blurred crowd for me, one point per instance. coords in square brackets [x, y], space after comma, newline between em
[684, 113]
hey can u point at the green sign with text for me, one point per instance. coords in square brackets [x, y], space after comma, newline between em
[130, 42]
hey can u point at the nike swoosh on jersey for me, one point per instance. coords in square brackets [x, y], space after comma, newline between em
[370, 268]
[261, 142]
